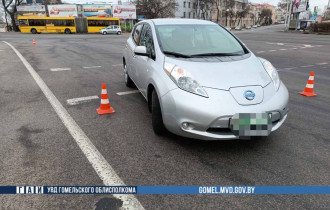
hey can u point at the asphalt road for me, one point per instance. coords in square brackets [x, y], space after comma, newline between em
[37, 149]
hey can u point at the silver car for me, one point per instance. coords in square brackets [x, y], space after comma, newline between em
[200, 81]
[113, 29]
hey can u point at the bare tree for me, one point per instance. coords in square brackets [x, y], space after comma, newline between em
[10, 7]
[327, 14]
[156, 8]
[266, 14]
[203, 7]
[229, 10]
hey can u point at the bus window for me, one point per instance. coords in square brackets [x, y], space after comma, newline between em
[69, 22]
[37, 22]
[57, 22]
[23, 22]
[102, 22]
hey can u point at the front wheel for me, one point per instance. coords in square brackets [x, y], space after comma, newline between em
[157, 118]
[128, 81]
[119, 32]
[104, 33]
[33, 31]
[67, 31]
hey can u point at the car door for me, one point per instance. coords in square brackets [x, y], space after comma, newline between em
[145, 64]
[132, 42]
[109, 29]
[115, 29]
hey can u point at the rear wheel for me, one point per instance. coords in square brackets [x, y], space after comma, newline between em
[67, 31]
[104, 33]
[33, 31]
[157, 118]
[128, 81]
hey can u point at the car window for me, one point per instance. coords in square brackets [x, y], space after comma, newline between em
[137, 32]
[147, 40]
[197, 39]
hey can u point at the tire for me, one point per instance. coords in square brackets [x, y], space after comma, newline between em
[119, 32]
[104, 33]
[67, 31]
[157, 118]
[128, 81]
[33, 31]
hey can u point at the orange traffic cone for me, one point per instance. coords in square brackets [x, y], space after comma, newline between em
[105, 107]
[309, 89]
[34, 42]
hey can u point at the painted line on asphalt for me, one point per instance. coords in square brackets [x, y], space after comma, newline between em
[290, 68]
[283, 49]
[320, 64]
[91, 67]
[99, 163]
[76, 101]
[271, 50]
[117, 64]
[60, 69]
[127, 92]
[306, 66]
[260, 51]
[294, 48]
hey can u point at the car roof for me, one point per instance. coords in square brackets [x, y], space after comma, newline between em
[179, 21]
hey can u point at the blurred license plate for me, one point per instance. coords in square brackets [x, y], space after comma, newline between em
[251, 124]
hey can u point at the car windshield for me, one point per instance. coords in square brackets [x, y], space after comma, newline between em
[198, 40]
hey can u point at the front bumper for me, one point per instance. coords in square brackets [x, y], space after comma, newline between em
[209, 118]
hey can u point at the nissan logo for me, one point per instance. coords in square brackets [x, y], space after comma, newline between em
[249, 95]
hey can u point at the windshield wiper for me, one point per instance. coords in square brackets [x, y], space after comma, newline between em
[176, 54]
[216, 54]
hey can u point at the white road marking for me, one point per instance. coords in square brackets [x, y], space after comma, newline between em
[325, 63]
[290, 68]
[128, 92]
[117, 65]
[75, 101]
[271, 50]
[283, 49]
[60, 69]
[306, 66]
[293, 48]
[307, 45]
[99, 163]
[260, 51]
[280, 44]
[91, 67]
[303, 47]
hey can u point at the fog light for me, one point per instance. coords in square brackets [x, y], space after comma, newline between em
[185, 125]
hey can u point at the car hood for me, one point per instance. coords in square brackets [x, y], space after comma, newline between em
[224, 74]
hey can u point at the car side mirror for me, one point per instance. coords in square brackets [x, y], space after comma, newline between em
[141, 50]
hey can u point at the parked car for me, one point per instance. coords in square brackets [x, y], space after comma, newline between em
[200, 81]
[238, 28]
[255, 26]
[228, 28]
[248, 27]
[113, 29]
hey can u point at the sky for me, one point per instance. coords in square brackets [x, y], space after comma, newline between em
[312, 3]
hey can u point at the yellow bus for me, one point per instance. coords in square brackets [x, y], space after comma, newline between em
[35, 25]
[95, 24]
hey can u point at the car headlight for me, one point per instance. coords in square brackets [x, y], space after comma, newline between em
[272, 72]
[183, 79]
